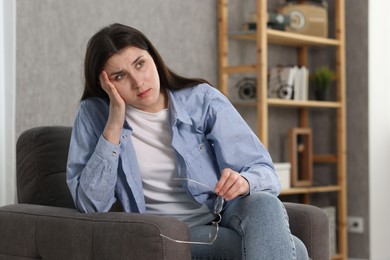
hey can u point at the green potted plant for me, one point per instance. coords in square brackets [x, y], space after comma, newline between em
[322, 79]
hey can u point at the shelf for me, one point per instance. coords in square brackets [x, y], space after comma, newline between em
[299, 103]
[240, 69]
[325, 158]
[312, 189]
[286, 38]
[291, 103]
[336, 257]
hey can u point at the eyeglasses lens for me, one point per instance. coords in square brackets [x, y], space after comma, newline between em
[218, 204]
[213, 232]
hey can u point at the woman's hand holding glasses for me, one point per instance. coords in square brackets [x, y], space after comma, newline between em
[231, 184]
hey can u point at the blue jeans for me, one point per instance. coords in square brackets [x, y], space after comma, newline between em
[252, 227]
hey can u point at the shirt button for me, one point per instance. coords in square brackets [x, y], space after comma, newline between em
[201, 147]
[114, 153]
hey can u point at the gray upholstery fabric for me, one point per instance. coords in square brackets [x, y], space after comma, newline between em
[44, 232]
[53, 229]
[311, 225]
[41, 159]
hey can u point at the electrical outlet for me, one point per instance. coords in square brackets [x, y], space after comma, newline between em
[355, 225]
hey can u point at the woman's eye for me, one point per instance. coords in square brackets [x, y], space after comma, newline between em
[140, 64]
[118, 77]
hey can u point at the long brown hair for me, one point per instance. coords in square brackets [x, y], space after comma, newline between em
[109, 41]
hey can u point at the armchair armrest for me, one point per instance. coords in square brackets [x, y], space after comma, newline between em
[44, 232]
[311, 225]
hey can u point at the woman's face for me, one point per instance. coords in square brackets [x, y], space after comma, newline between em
[135, 76]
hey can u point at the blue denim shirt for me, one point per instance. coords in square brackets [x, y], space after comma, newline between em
[208, 135]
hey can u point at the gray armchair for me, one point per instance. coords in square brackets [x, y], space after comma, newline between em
[46, 225]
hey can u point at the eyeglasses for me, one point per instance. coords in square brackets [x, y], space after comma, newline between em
[214, 228]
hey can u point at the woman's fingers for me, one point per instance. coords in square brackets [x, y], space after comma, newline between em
[110, 89]
[231, 184]
[116, 115]
[106, 83]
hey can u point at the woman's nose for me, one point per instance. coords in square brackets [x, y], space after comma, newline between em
[137, 81]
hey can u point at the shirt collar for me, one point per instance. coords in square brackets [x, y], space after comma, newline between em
[177, 110]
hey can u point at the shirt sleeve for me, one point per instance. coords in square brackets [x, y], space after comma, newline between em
[92, 165]
[238, 148]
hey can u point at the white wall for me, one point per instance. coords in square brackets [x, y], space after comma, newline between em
[7, 101]
[379, 128]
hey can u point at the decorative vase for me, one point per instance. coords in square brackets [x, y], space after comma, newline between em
[321, 94]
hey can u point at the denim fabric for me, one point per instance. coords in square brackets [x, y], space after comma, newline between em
[253, 227]
[208, 135]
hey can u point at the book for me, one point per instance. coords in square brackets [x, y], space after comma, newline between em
[301, 84]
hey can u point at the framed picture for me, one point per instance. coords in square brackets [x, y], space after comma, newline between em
[301, 156]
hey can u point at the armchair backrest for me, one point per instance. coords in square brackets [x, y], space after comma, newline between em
[41, 156]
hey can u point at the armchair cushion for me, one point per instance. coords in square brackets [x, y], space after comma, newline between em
[311, 225]
[44, 232]
[41, 159]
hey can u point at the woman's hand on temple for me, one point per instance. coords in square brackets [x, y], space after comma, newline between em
[116, 116]
[231, 184]
[111, 90]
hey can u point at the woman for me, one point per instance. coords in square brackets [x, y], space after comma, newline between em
[156, 142]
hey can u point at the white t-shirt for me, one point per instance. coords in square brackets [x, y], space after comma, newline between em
[157, 162]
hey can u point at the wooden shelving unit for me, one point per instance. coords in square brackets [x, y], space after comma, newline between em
[264, 37]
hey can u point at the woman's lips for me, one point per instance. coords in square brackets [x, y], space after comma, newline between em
[144, 93]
